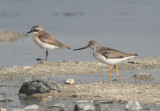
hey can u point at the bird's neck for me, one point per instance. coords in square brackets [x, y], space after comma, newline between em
[95, 49]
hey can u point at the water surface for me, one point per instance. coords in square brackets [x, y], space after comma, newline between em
[130, 26]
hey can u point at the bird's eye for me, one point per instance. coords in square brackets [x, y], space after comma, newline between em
[35, 30]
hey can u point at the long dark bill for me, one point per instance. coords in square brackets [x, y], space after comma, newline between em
[29, 32]
[81, 48]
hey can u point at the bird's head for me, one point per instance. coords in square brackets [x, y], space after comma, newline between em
[35, 29]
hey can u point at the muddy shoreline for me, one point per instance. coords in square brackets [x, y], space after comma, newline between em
[145, 93]
[49, 68]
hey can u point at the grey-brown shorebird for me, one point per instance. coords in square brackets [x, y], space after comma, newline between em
[107, 55]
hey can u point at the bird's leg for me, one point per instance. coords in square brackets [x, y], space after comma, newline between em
[116, 71]
[110, 72]
[46, 50]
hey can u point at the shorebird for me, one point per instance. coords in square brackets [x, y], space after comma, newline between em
[45, 40]
[107, 55]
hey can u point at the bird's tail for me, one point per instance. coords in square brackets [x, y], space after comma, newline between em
[67, 47]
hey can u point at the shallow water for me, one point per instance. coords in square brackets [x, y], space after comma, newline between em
[130, 26]
[12, 88]
[125, 77]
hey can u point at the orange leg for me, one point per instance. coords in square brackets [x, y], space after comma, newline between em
[116, 71]
[110, 72]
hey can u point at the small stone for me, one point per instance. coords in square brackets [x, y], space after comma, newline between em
[26, 67]
[133, 106]
[31, 107]
[69, 81]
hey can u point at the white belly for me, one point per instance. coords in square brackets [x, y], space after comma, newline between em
[111, 61]
[45, 45]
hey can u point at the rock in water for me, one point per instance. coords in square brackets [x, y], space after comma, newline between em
[133, 106]
[84, 105]
[38, 85]
[58, 107]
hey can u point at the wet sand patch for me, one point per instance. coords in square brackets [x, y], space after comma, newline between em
[75, 67]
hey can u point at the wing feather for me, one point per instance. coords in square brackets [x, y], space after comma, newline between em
[47, 38]
[112, 53]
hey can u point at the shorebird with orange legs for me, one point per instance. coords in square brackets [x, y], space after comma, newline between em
[108, 55]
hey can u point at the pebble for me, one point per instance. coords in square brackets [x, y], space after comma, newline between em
[133, 106]
[87, 105]
[26, 67]
[69, 81]
[31, 107]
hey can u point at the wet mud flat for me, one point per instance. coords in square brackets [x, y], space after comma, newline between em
[75, 67]
[6, 36]
[92, 88]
